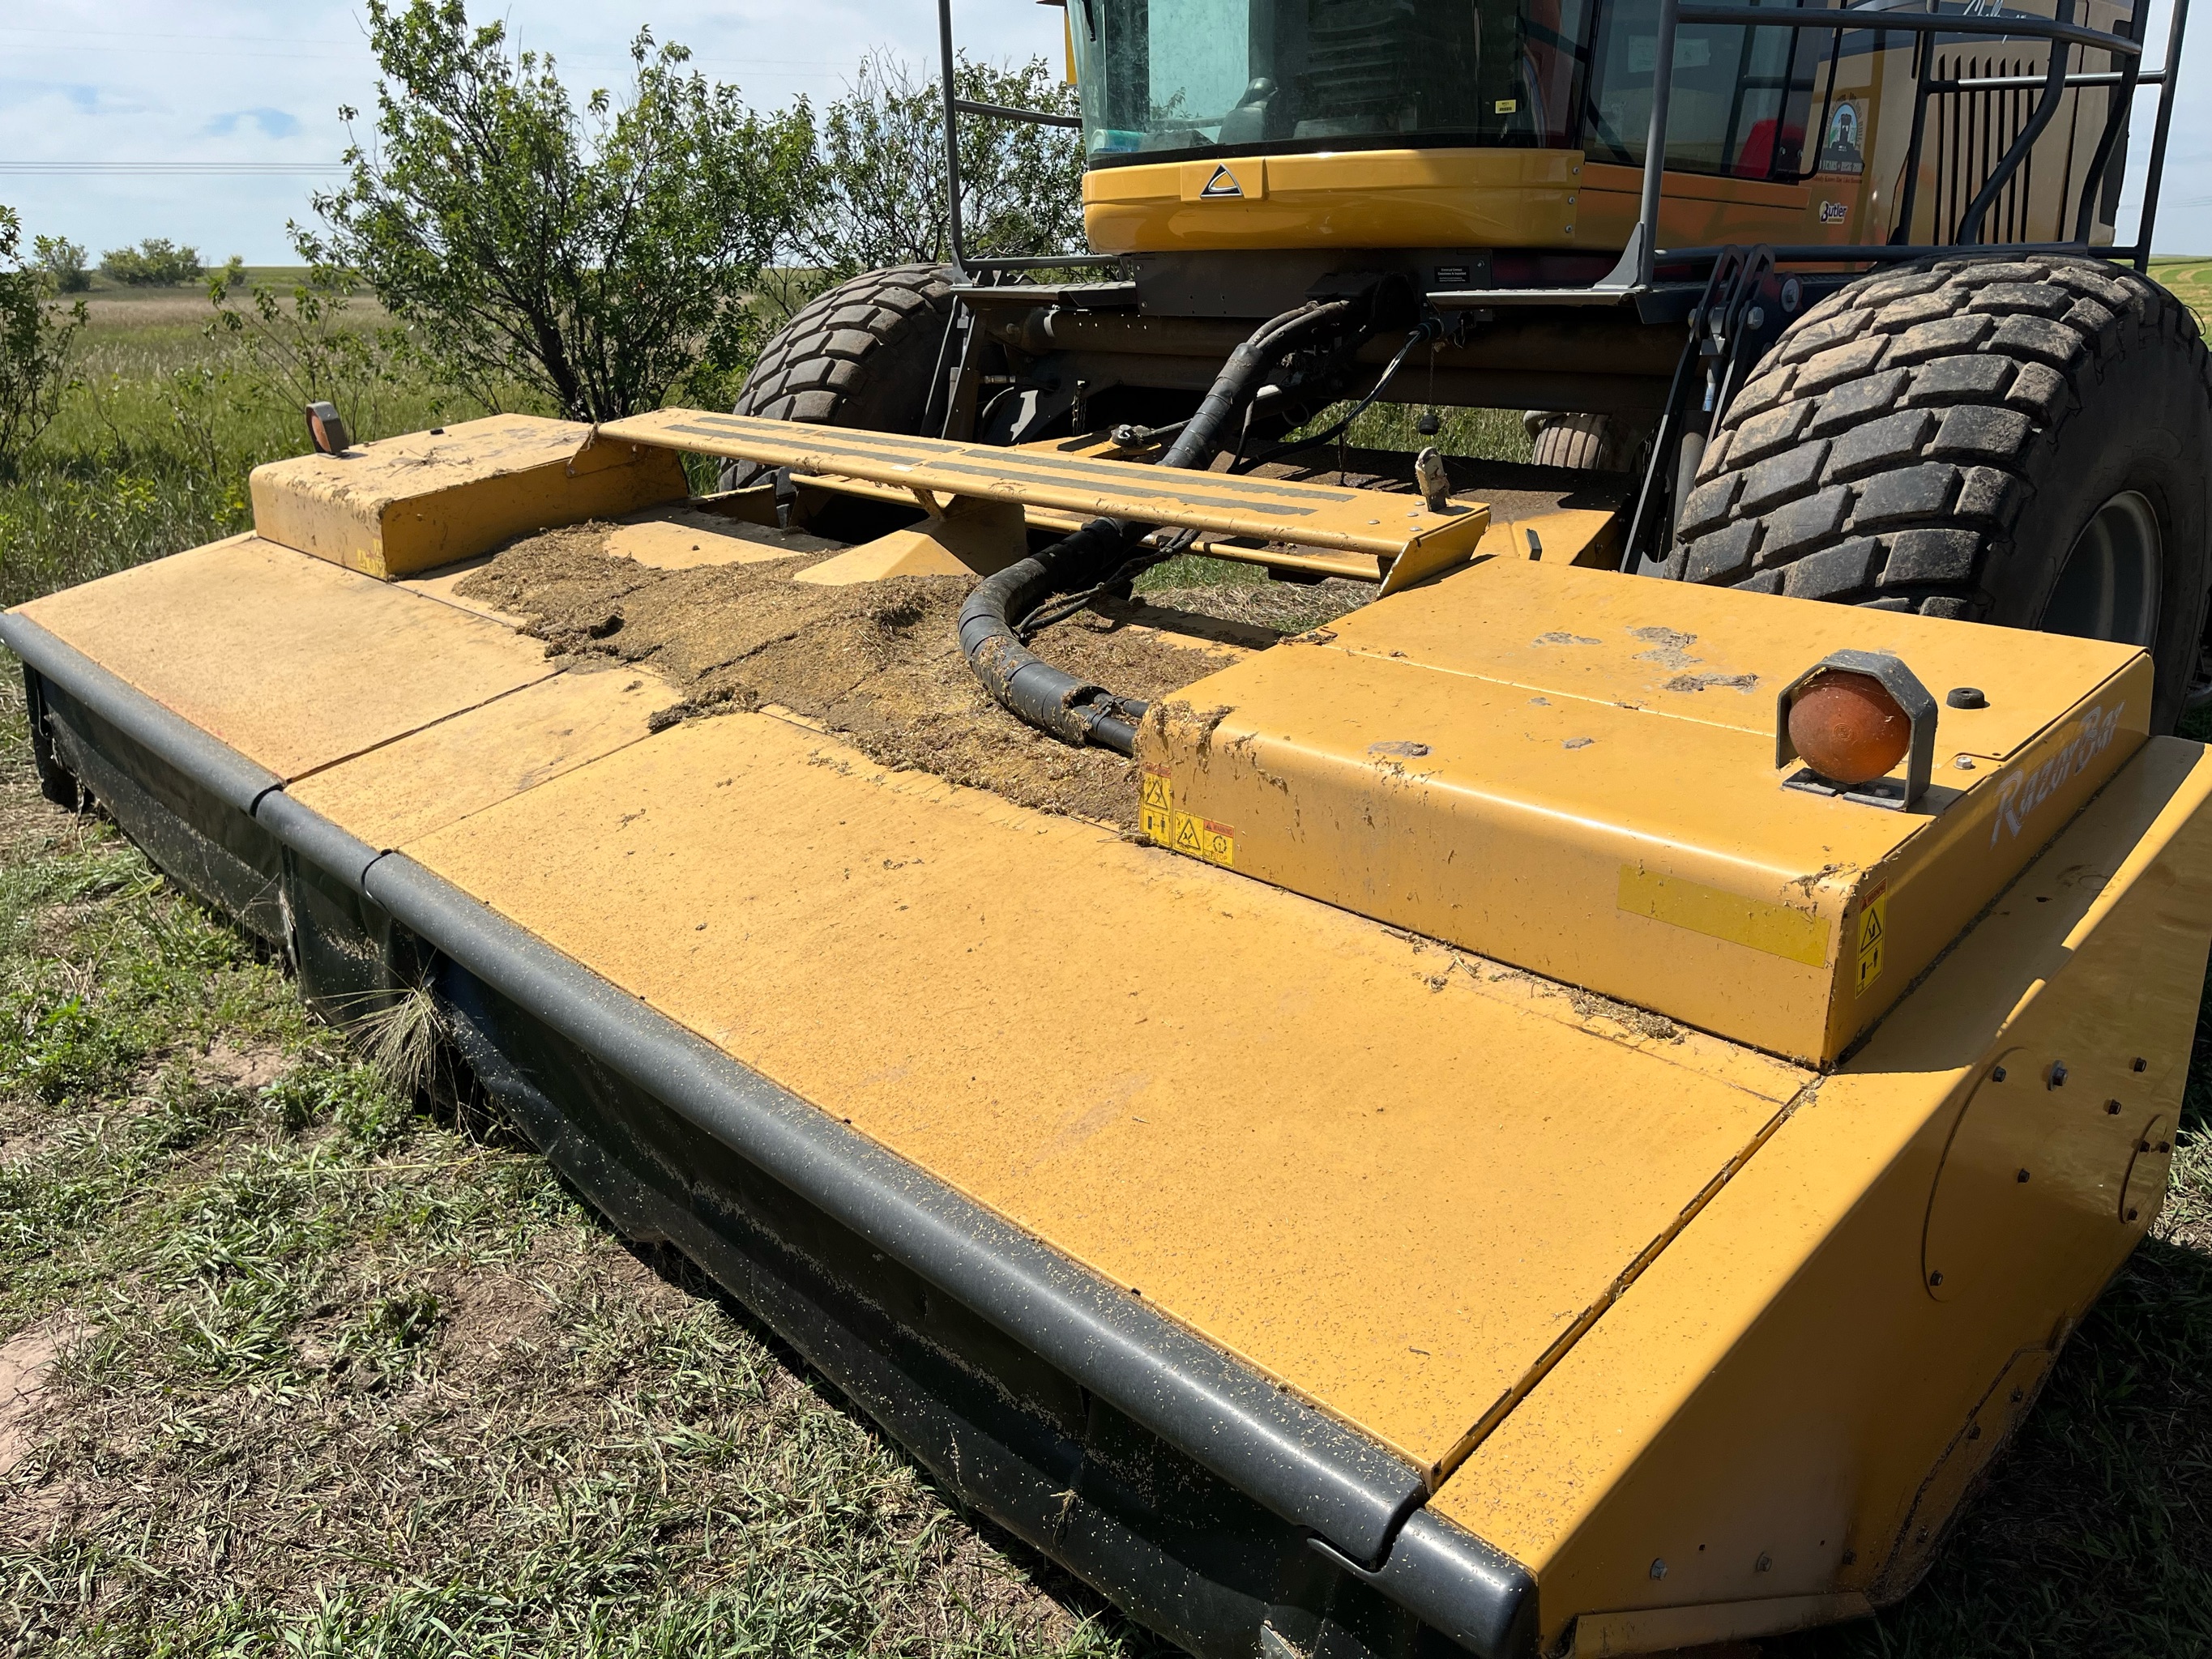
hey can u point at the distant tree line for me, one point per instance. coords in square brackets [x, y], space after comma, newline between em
[157, 261]
[604, 254]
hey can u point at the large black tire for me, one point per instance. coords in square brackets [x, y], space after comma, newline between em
[1582, 443]
[1939, 438]
[863, 354]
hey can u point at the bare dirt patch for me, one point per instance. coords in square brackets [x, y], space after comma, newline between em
[26, 1366]
[255, 1065]
[878, 662]
[29, 1390]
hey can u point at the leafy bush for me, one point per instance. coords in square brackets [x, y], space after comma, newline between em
[289, 348]
[157, 261]
[35, 337]
[876, 182]
[598, 256]
[873, 191]
[63, 260]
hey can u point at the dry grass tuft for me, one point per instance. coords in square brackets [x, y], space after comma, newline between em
[403, 1040]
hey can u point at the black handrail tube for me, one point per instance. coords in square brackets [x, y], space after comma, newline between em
[2127, 77]
[1911, 23]
[1655, 145]
[1041, 261]
[1924, 59]
[1828, 100]
[953, 229]
[2156, 172]
[2046, 106]
[1008, 112]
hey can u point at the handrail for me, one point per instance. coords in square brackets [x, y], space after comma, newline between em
[2121, 107]
[2154, 171]
[1008, 112]
[1915, 22]
[955, 232]
[2022, 82]
[1640, 258]
[2046, 106]
[2059, 31]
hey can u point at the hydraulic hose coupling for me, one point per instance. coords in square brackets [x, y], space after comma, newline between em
[1075, 711]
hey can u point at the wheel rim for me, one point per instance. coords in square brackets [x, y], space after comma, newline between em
[2108, 587]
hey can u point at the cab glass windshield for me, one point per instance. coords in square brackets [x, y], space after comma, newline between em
[1190, 75]
[1168, 78]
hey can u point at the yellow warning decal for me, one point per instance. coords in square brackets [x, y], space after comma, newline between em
[1873, 935]
[1156, 806]
[1779, 930]
[1202, 838]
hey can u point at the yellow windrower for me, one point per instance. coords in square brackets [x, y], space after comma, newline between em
[1568, 1111]
[1600, 1186]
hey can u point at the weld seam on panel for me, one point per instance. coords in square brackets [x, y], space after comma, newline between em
[1542, 1366]
[236, 781]
[426, 725]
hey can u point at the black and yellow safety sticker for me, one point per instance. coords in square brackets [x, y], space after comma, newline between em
[1156, 805]
[1202, 838]
[1874, 936]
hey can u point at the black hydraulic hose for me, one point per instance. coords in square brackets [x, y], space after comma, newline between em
[1074, 710]
[1429, 330]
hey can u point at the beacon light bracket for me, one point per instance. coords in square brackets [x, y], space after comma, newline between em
[326, 429]
[1905, 689]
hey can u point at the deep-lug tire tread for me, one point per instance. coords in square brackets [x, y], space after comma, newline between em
[861, 355]
[1884, 453]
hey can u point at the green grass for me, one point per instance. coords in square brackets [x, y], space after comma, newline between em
[340, 1376]
[2190, 280]
[336, 1377]
[150, 451]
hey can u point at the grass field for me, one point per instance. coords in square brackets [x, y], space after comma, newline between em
[289, 1366]
[2191, 281]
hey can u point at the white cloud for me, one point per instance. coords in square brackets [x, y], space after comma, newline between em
[133, 81]
[272, 123]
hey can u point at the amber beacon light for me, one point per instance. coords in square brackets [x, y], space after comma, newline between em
[1851, 718]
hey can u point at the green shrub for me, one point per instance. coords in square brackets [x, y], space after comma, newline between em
[157, 261]
[35, 337]
[63, 260]
[597, 255]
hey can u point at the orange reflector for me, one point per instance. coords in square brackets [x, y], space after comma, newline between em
[1848, 728]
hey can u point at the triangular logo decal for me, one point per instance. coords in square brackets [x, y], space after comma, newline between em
[1223, 183]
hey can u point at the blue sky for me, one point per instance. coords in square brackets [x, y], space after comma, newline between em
[122, 94]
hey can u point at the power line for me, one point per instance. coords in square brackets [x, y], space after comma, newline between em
[249, 169]
[316, 46]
